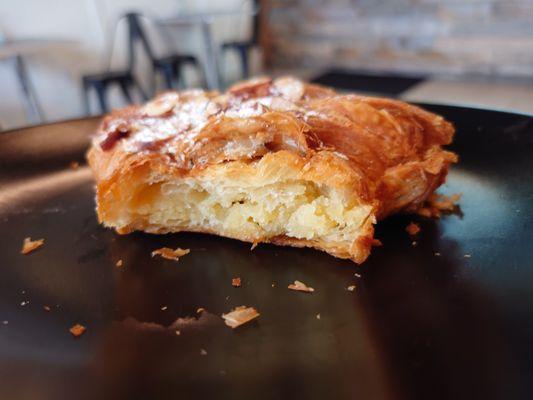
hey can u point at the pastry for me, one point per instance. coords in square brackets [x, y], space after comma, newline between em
[278, 161]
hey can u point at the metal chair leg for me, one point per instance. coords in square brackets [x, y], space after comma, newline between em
[135, 83]
[153, 82]
[85, 99]
[243, 53]
[178, 76]
[167, 72]
[101, 95]
[201, 75]
[126, 91]
[33, 108]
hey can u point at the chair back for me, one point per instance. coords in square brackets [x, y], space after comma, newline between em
[137, 34]
[256, 22]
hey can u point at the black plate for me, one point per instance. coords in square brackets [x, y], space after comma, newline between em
[418, 326]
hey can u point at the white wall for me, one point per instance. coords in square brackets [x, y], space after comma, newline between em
[56, 73]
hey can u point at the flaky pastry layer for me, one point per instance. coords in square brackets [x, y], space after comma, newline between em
[277, 161]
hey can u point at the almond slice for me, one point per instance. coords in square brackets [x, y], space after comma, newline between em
[170, 254]
[161, 105]
[239, 316]
[301, 287]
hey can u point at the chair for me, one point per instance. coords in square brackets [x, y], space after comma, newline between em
[243, 47]
[34, 111]
[169, 67]
[100, 82]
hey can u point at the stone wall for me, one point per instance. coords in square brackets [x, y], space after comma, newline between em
[492, 37]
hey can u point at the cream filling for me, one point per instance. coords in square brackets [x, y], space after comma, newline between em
[295, 208]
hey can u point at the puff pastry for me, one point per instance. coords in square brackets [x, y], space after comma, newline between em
[279, 161]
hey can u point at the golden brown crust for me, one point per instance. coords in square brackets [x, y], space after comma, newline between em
[384, 152]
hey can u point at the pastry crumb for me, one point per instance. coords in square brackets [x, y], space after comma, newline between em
[254, 245]
[200, 310]
[318, 316]
[236, 282]
[412, 229]
[170, 254]
[203, 352]
[438, 203]
[239, 316]
[77, 330]
[119, 263]
[426, 212]
[437, 254]
[164, 308]
[178, 333]
[445, 203]
[31, 245]
[74, 165]
[350, 288]
[46, 308]
[467, 255]
[301, 287]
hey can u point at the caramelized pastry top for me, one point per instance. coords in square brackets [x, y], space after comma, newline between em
[195, 128]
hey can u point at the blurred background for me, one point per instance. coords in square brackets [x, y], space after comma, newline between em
[70, 58]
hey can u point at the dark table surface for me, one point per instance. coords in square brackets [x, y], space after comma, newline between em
[418, 325]
[367, 81]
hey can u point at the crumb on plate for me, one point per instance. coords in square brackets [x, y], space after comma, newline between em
[77, 330]
[239, 316]
[170, 254]
[437, 203]
[301, 287]
[412, 229]
[236, 282]
[30, 245]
